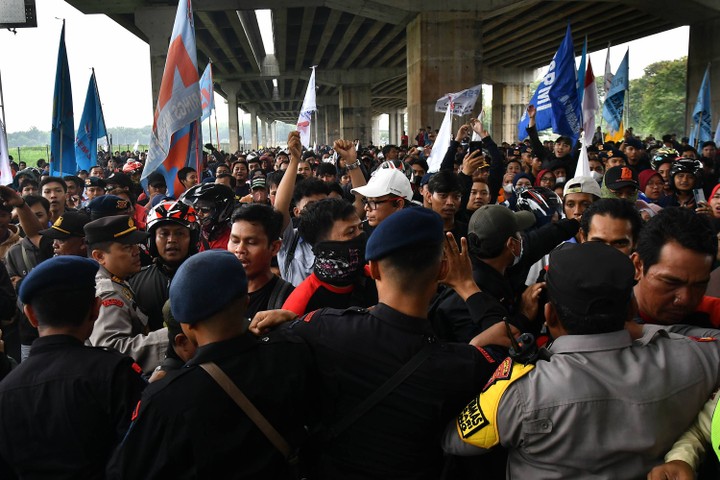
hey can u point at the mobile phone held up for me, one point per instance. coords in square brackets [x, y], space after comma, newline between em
[474, 146]
[699, 196]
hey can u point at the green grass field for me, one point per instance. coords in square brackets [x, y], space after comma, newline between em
[30, 155]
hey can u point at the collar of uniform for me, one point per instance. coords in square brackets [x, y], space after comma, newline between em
[591, 343]
[111, 276]
[53, 342]
[226, 348]
[391, 316]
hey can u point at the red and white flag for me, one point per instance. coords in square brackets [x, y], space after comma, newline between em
[308, 106]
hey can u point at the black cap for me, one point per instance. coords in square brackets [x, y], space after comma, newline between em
[591, 277]
[619, 177]
[94, 182]
[70, 224]
[118, 228]
[120, 179]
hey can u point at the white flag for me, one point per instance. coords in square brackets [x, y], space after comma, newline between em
[475, 135]
[6, 177]
[583, 165]
[590, 104]
[464, 101]
[308, 106]
[136, 146]
[442, 141]
[607, 80]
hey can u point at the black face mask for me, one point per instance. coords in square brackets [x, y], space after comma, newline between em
[339, 263]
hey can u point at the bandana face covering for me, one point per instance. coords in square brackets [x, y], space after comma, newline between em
[339, 263]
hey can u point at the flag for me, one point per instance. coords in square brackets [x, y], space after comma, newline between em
[590, 104]
[566, 109]
[442, 141]
[92, 127]
[615, 99]
[617, 136]
[175, 140]
[702, 114]
[308, 106]
[717, 134]
[136, 146]
[476, 136]
[206, 92]
[564, 117]
[607, 80]
[581, 73]
[62, 136]
[463, 100]
[6, 176]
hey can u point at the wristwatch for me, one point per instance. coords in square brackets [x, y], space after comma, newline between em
[354, 165]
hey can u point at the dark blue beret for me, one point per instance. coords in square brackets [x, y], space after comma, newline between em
[66, 272]
[107, 205]
[409, 227]
[204, 285]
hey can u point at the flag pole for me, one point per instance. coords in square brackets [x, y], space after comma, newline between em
[217, 133]
[210, 129]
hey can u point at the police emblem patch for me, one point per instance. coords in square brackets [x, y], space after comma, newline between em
[472, 419]
[501, 373]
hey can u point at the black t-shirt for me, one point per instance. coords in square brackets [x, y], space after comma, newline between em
[258, 300]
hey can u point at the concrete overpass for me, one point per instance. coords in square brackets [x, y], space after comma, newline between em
[399, 56]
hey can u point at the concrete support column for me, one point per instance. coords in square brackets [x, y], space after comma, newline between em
[356, 113]
[319, 124]
[265, 135]
[508, 103]
[273, 134]
[331, 118]
[393, 135]
[252, 110]
[703, 48]
[444, 54]
[156, 23]
[400, 116]
[375, 138]
[232, 88]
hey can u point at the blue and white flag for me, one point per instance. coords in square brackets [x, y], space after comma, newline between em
[92, 127]
[206, 92]
[559, 85]
[62, 135]
[702, 114]
[717, 134]
[615, 97]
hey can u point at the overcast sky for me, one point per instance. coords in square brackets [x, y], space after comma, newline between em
[122, 66]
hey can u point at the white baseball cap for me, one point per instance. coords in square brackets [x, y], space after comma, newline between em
[386, 181]
[582, 185]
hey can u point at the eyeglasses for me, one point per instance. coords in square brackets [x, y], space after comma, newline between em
[373, 204]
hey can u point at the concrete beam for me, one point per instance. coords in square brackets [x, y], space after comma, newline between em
[334, 78]
[156, 24]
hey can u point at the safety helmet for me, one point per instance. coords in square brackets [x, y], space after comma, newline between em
[132, 166]
[686, 165]
[179, 213]
[220, 195]
[543, 202]
[663, 155]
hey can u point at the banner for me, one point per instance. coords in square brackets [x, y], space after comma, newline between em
[564, 117]
[615, 99]
[62, 135]
[464, 101]
[207, 92]
[175, 140]
[6, 176]
[717, 134]
[92, 127]
[581, 73]
[702, 113]
[308, 106]
[608, 78]
[442, 141]
[590, 104]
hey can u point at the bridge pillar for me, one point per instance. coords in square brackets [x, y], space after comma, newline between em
[331, 119]
[156, 23]
[232, 89]
[444, 54]
[703, 48]
[252, 110]
[508, 103]
[356, 113]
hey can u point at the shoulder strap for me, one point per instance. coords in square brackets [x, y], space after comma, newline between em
[279, 293]
[391, 384]
[291, 251]
[250, 410]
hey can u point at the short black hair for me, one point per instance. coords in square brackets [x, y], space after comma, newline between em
[592, 323]
[233, 180]
[319, 217]
[79, 184]
[35, 199]
[183, 173]
[309, 187]
[28, 182]
[680, 225]
[616, 208]
[421, 162]
[59, 180]
[386, 149]
[444, 181]
[270, 219]
[326, 169]
[68, 307]
[416, 265]
[273, 178]
[335, 187]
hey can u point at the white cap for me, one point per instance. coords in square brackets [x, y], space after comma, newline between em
[386, 181]
[582, 185]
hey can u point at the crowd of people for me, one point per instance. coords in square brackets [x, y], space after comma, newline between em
[346, 313]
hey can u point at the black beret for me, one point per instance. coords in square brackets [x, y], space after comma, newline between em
[591, 277]
[107, 205]
[65, 272]
[215, 276]
[407, 228]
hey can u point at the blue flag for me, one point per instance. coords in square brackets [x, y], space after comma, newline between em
[62, 135]
[92, 127]
[581, 73]
[559, 85]
[615, 97]
[566, 110]
[702, 115]
[206, 92]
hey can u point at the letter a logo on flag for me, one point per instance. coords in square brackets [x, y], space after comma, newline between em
[175, 140]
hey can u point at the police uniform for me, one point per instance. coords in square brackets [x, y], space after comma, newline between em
[356, 351]
[123, 326]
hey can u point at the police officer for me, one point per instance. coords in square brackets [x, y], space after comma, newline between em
[66, 407]
[113, 243]
[357, 350]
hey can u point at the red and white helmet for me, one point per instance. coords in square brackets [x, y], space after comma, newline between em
[132, 166]
[172, 211]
